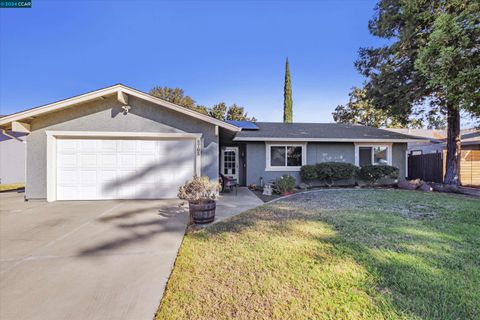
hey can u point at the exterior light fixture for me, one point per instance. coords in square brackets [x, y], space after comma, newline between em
[126, 109]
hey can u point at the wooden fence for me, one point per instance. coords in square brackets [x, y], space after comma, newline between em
[428, 167]
[431, 167]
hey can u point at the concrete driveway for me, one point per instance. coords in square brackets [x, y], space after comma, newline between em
[86, 259]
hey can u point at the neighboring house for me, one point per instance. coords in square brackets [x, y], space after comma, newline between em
[429, 157]
[121, 143]
[437, 140]
[12, 157]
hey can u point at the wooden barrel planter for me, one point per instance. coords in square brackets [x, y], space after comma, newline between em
[202, 212]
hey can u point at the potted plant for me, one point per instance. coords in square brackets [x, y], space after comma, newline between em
[200, 194]
[285, 184]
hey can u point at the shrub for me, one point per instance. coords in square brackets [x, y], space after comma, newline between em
[372, 173]
[199, 189]
[331, 171]
[286, 183]
[308, 172]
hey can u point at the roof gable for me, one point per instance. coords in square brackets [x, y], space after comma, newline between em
[122, 92]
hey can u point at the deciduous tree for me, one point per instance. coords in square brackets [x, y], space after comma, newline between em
[218, 111]
[236, 112]
[173, 95]
[361, 110]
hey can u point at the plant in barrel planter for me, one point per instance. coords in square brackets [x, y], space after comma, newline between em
[200, 194]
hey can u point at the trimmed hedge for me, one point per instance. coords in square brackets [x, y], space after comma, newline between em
[335, 171]
[308, 172]
[332, 171]
[328, 171]
[373, 173]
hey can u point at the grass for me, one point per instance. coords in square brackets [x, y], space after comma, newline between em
[335, 254]
[11, 186]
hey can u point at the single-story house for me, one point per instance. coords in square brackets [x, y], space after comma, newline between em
[12, 157]
[121, 143]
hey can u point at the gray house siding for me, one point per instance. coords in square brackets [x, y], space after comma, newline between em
[316, 152]
[12, 159]
[106, 115]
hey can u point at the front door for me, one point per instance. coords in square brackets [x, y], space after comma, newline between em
[230, 162]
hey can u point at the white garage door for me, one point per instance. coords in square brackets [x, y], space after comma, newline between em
[93, 169]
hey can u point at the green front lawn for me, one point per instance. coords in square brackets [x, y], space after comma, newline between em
[348, 254]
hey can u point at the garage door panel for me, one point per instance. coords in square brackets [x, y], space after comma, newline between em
[108, 160]
[66, 145]
[146, 160]
[87, 160]
[67, 160]
[107, 176]
[127, 160]
[126, 145]
[87, 192]
[179, 148]
[122, 169]
[148, 145]
[126, 175]
[67, 192]
[127, 192]
[87, 145]
[68, 176]
[88, 177]
[149, 191]
[108, 145]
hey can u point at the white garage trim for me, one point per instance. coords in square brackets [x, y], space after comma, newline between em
[52, 149]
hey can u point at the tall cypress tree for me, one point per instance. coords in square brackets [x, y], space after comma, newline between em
[287, 96]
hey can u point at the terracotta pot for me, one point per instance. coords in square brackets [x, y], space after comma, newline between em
[286, 193]
[202, 212]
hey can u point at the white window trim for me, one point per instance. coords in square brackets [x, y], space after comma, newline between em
[372, 145]
[268, 146]
[52, 149]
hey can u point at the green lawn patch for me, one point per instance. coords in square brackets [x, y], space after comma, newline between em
[11, 186]
[334, 254]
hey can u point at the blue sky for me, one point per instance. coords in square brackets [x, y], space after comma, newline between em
[216, 51]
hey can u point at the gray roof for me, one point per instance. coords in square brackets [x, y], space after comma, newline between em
[319, 131]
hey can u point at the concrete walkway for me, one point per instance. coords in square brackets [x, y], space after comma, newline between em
[230, 204]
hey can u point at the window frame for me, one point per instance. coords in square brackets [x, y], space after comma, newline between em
[268, 147]
[373, 145]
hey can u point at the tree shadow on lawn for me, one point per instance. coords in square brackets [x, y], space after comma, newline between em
[424, 265]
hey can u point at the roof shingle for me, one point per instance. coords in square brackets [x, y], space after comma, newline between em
[306, 131]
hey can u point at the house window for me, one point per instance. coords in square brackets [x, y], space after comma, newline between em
[365, 156]
[285, 157]
[373, 154]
